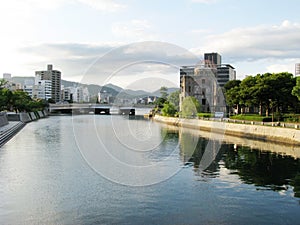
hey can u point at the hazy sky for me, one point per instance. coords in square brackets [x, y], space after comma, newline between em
[81, 37]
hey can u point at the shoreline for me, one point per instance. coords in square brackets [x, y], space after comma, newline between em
[278, 135]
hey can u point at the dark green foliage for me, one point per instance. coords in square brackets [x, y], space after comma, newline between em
[169, 109]
[19, 101]
[205, 115]
[267, 92]
[296, 89]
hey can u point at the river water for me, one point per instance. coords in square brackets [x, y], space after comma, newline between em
[101, 169]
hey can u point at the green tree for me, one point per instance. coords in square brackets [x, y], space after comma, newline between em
[232, 84]
[296, 88]
[3, 83]
[246, 93]
[169, 109]
[163, 92]
[21, 101]
[232, 93]
[174, 99]
[190, 107]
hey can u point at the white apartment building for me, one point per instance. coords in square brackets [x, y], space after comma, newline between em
[75, 94]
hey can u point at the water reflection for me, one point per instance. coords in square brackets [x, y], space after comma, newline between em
[265, 169]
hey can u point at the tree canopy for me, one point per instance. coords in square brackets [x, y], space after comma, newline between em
[19, 101]
[264, 91]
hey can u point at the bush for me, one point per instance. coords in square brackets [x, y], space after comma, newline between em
[292, 118]
[169, 109]
[205, 115]
[251, 117]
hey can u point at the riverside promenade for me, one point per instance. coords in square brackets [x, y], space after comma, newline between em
[12, 123]
[253, 131]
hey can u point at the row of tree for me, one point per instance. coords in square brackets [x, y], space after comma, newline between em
[18, 101]
[264, 92]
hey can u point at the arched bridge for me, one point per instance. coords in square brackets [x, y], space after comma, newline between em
[104, 109]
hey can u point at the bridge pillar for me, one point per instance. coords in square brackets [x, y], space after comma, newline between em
[103, 111]
[127, 111]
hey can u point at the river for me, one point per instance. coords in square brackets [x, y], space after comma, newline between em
[97, 169]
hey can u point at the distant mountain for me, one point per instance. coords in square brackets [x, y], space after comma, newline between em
[22, 80]
[170, 90]
[94, 89]
[117, 88]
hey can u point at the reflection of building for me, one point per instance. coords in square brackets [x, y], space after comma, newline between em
[297, 69]
[55, 77]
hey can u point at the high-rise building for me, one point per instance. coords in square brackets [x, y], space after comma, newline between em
[7, 76]
[297, 69]
[55, 77]
[225, 73]
[213, 58]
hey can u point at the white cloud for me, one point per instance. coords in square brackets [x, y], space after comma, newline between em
[253, 43]
[287, 65]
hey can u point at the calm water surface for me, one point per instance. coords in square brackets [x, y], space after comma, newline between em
[46, 176]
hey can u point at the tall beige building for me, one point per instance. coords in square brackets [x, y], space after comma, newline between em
[55, 77]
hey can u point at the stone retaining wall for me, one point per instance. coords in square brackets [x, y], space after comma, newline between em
[275, 134]
[3, 119]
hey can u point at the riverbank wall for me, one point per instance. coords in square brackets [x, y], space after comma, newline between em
[27, 117]
[3, 119]
[12, 123]
[250, 131]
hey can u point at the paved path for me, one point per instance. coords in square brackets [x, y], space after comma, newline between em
[9, 130]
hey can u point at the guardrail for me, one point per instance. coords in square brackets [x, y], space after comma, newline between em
[272, 124]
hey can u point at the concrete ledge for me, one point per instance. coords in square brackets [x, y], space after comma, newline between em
[25, 118]
[32, 116]
[41, 115]
[3, 119]
[275, 134]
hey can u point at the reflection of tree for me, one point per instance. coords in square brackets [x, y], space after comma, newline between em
[264, 168]
[192, 149]
[296, 183]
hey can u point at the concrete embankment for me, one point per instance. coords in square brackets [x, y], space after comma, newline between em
[12, 123]
[257, 132]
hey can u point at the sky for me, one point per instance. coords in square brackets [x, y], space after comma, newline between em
[130, 42]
